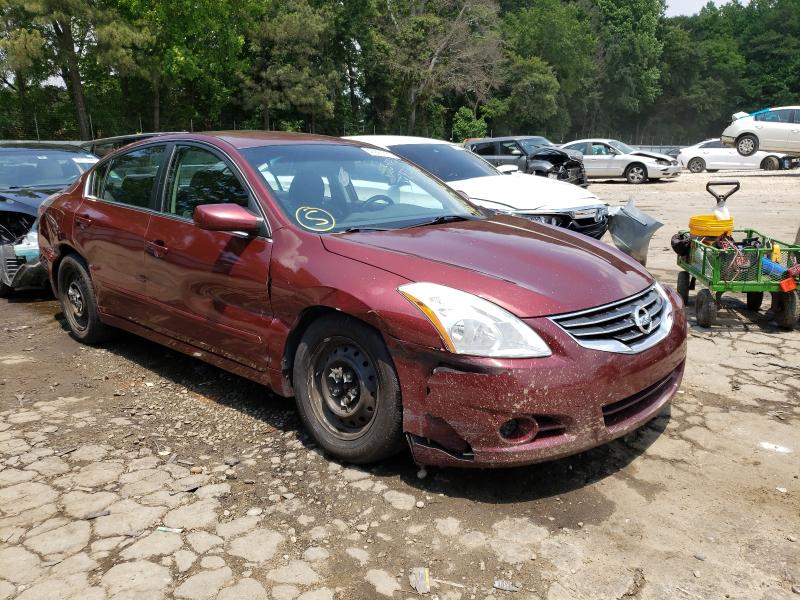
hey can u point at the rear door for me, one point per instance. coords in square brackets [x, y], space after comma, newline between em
[486, 150]
[509, 152]
[774, 129]
[110, 226]
[794, 133]
[208, 288]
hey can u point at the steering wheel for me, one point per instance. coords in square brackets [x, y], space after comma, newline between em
[378, 198]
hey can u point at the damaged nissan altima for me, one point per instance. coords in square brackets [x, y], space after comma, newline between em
[390, 307]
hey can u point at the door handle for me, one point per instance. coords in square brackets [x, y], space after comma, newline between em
[83, 222]
[156, 248]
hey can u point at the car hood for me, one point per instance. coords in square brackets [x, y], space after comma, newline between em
[25, 201]
[653, 155]
[529, 269]
[523, 192]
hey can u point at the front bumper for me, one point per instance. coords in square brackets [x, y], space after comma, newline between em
[728, 140]
[20, 272]
[666, 171]
[455, 408]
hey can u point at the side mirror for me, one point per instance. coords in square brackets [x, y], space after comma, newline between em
[225, 217]
[508, 169]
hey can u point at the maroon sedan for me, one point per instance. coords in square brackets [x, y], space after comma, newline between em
[337, 273]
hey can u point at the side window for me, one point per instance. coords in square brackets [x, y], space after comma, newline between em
[776, 116]
[600, 150]
[510, 149]
[712, 144]
[485, 149]
[130, 178]
[583, 148]
[197, 177]
[96, 186]
[796, 118]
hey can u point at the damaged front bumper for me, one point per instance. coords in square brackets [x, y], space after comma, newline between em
[20, 267]
[473, 412]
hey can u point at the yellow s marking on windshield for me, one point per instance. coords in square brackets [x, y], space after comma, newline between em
[314, 219]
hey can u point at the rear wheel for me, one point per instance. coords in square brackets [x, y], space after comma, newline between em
[636, 173]
[684, 282]
[747, 145]
[706, 308]
[78, 302]
[5, 290]
[787, 309]
[696, 165]
[347, 390]
[770, 163]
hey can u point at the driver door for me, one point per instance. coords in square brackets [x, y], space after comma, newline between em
[208, 288]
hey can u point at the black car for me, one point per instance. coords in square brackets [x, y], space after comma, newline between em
[29, 174]
[532, 154]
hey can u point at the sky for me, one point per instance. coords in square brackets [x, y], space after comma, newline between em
[687, 7]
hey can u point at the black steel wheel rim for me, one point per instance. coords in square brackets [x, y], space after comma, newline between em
[75, 304]
[344, 388]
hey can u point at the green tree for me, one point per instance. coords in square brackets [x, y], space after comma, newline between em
[288, 70]
[467, 125]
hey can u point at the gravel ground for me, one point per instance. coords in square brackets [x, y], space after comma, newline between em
[103, 448]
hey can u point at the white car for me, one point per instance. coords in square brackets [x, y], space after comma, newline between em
[771, 130]
[606, 159]
[538, 198]
[713, 155]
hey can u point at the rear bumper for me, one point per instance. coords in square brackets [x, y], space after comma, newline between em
[456, 411]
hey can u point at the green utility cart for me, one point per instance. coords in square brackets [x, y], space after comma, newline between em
[748, 269]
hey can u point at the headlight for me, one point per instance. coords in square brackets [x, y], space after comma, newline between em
[546, 219]
[663, 162]
[471, 325]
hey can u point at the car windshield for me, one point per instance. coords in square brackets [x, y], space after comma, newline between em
[328, 188]
[624, 148]
[31, 168]
[447, 162]
[530, 144]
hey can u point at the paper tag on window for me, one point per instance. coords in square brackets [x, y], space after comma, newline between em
[344, 177]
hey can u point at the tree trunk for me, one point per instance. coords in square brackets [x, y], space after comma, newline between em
[22, 97]
[412, 113]
[266, 118]
[71, 75]
[156, 105]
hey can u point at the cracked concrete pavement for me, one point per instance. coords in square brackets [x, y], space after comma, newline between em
[129, 471]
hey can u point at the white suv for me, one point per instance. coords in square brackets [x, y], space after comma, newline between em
[771, 130]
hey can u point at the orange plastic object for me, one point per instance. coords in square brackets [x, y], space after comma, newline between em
[787, 285]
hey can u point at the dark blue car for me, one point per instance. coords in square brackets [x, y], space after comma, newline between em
[29, 174]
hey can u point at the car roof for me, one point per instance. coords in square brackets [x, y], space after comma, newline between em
[385, 141]
[504, 138]
[603, 140]
[11, 146]
[130, 136]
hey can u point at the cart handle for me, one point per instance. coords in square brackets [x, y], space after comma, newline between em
[722, 196]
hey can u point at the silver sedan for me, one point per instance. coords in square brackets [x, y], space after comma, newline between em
[606, 159]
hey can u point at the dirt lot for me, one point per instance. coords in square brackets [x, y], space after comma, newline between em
[101, 446]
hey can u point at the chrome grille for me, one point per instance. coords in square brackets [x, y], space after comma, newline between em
[630, 325]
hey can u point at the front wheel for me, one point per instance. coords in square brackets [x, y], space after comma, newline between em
[76, 294]
[5, 290]
[684, 283]
[636, 173]
[696, 165]
[347, 390]
[706, 308]
[747, 145]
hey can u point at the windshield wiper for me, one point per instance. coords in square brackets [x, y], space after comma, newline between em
[441, 219]
[359, 229]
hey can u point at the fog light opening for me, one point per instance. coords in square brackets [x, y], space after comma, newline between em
[519, 430]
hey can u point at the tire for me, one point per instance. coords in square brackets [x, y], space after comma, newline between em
[770, 163]
[368, 429]
[636, 173]
[706, 308]
[5, 290]
[712, 170]
[696, 165]
[787, 311]
[754, 300]
[747, 145]
[684, 282]
[78, 302]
